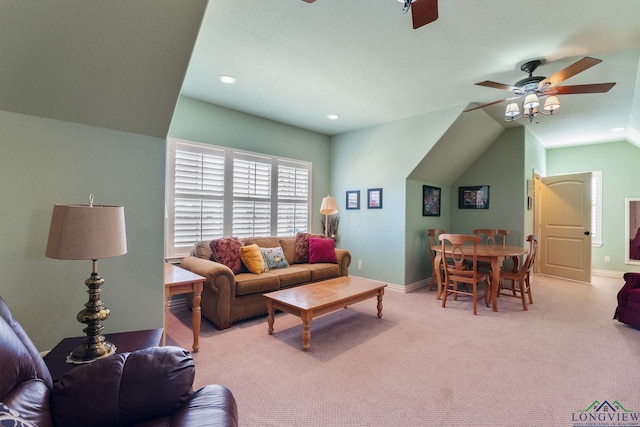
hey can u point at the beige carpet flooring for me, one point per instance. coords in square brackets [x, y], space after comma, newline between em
[423, 365]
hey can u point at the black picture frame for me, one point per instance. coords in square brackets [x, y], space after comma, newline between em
[431, 199]
[353, 199]
[374, 198]
[474, 197]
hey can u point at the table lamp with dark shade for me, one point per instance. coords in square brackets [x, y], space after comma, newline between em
[88, 232]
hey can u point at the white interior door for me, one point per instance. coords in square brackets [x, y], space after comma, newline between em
[565, 222]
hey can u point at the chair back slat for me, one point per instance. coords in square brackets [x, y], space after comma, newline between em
[492, 235]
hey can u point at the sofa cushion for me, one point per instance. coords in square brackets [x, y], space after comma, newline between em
[263, 242]
[252, 259]
[202, 249]
[274, 258]
[321, 250]
[302, 247]
[292, 276]
[248, 283]
[289, 248]
[323, 271]
[227, 251]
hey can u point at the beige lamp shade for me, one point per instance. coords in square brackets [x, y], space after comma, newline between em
[329, 206]
[86, 232]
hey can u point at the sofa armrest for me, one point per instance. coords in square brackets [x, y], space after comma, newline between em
[344, 261]
[219, 292]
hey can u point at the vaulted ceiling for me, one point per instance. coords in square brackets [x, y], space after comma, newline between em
[360, 59]
[121, 64]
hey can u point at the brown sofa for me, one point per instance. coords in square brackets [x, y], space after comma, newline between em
[149, 387]
[229, 297]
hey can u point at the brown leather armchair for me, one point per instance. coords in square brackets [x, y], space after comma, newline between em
[628, 309]
[150, 387]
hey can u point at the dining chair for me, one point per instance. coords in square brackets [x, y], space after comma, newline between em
[456, 272]
[520, 277]
[432, 241]
[492, 236]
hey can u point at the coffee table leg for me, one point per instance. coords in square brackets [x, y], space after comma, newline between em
[306, 330]
[270, 319]
[380, 295]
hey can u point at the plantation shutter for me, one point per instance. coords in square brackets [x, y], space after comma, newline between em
[596, 207]
[293, 198]
[198, 208]
[251, 196]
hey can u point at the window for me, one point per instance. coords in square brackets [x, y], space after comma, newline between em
[215, 191]
[596, 208]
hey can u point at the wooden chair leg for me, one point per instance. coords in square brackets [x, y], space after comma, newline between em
[523, 291]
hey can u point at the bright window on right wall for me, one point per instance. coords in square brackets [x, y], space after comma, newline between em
[596, 208]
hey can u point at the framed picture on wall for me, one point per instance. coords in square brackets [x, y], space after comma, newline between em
[430, 201]
[374, 198]
[476, 197]
[353, 199]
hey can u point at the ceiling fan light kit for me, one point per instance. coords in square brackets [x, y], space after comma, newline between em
[535, 87]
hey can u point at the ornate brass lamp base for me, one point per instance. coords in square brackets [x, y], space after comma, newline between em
[94, 346]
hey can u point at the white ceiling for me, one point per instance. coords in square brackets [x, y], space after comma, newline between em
[297, 62]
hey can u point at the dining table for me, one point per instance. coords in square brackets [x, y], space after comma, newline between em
[494, 254]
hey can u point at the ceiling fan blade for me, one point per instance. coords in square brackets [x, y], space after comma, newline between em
[577, 89]
[424, 12]
[496, 85]
[573, 69]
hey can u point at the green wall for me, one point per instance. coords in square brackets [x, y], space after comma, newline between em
[383, 157]
[418, 262]
[47, 161]
[501, 167]
[618, 162]
[198, 121]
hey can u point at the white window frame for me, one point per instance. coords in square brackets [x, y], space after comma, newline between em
[221, 202]
[596, 208]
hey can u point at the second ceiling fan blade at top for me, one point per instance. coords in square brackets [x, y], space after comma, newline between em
[424, 12]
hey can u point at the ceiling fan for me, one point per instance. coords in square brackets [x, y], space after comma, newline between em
[423, 12]
[533, 87]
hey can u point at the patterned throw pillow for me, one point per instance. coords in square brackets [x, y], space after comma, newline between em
[302, 247]
[321, 250]
[227, 251]
[252, 259]
[11, 418]
[274, 257]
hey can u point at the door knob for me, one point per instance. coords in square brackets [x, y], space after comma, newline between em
[586, 233]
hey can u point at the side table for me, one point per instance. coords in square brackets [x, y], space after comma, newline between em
[179, 281]
[56, 359]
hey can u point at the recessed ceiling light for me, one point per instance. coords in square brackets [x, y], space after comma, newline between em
[332, 116]
[617, 129]
[227, 79]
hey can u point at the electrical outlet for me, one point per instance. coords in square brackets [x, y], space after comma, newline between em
[607, 258]
[359, 264]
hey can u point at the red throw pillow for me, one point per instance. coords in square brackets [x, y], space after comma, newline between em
[227, 251]
[321, 250]
[301, 252]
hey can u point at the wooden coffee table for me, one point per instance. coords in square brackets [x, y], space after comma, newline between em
[320, 298]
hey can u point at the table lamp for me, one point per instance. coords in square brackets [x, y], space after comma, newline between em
[88, 232]
[328, 207]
